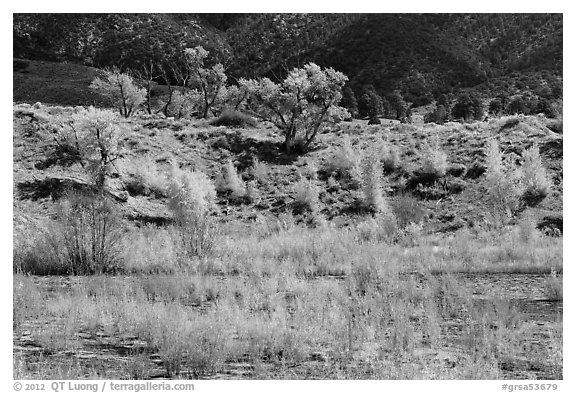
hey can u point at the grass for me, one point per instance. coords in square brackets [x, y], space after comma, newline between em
[373, 324]
[347, 304]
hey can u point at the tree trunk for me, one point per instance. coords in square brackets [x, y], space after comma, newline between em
[288, 144]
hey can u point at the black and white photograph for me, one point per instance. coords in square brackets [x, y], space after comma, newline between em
[287, 196]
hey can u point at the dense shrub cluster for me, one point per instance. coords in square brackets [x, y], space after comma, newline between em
[229, 180]
[345, 161]
[536, 183]
[502, 183]
[434, 161]
[84, 238]
[191, 197]
[233, 119]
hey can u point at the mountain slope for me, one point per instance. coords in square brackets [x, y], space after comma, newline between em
[422, 55]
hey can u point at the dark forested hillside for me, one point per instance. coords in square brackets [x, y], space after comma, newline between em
[420, 55]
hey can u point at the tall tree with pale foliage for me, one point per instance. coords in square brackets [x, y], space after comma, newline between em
[301, 105]
[211, 82]
[120, 87]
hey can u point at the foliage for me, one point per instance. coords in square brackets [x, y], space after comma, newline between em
[536, 183]
[434, 161]
[408, 210]
[191, 197]
[519, 105]
[372, 183]
[306, 194]
[233, 98]
[233, 119]
[121, 89]
[389, 157]
[259, 170]
[182, 103]
[141, 176]
[502, 184]
[349, 101]
[229, 181]
[496, 107]
[468, 107]
[346, 162]
[554, 286]
[302, 105]
[398, 106]
[84, 238]
[190, 192]
[370, 103]
[209, 81]
[439, 115]
[90, 137]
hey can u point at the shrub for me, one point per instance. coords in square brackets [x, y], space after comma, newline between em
[306, 195]
[554, 286]
[229, 181]
[35, 249]
[233, 119]
[390, 158]
[252, 192]
[259, 170]
[434, 161]
[519, 105]
[150, 249]
[381, 228]
[502, 184]
[496, 107]
[309, 170]
[537, 185]
[191, 197]
[372, 184]
[87, 236]
[408, 210]
[121, 89]
[346, 162]
[142, 177]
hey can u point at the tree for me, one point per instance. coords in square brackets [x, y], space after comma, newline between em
[91, 137]
[399, 106]
[468, 107]
[148, 72]
[210, 81]
[519, 105]
[496, 107]
[438, 115]
[349, 101]
[301, 105]
[121, 90]
[371, 104]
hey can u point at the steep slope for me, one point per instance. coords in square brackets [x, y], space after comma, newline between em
[151, 145]
[419, 54]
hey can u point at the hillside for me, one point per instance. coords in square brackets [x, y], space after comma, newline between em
[152, 144]
[422, 55]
